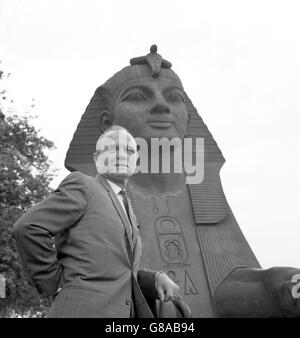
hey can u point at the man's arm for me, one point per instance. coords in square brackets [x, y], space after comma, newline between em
[157, 285]
[146, 281]
[35, 230]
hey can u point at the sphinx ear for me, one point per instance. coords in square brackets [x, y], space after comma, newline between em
[105, 120]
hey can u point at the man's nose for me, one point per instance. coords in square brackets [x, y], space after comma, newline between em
[160, 106]
[121, 154]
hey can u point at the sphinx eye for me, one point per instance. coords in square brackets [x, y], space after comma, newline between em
[175, 97]
[130, 151]
[135, 96]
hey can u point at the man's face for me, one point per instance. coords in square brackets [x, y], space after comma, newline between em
[116, 155]
[151, 108]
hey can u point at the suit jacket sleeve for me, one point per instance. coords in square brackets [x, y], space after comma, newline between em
[146, 280]
[35, 230]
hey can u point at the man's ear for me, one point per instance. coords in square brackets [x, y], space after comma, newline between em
[105, 120]
[95, 157]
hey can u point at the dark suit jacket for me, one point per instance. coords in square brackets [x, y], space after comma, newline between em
[94, 259]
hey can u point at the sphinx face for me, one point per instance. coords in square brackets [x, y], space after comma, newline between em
[151, 108]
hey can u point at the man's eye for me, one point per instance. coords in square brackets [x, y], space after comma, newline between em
[175, 97]
[110, 149]
[135, 96]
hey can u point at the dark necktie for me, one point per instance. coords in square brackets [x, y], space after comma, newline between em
[126, 204]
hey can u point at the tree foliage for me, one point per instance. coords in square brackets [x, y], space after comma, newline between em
[25, 174]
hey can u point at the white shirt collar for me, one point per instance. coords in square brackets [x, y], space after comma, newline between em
[115, 187]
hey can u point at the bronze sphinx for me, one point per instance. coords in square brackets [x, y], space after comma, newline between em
[188, 230]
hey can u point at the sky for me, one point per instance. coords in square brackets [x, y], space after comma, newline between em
[239, 64]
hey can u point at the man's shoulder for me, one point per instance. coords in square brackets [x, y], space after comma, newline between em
[77, 177]
[77, 182]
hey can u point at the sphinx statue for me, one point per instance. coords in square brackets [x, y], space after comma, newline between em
[188, 229]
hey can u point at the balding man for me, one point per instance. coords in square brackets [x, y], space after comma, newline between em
[93, 266]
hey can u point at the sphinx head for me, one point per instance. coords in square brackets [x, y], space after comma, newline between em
[147, 98]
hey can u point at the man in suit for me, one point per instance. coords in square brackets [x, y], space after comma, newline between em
[92, 269]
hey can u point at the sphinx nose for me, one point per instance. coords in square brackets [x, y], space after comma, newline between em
[160, 108]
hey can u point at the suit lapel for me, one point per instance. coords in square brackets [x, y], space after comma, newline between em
[135, 228]
[133, 222]
[137, 253]
[124, 218]
[119, 209]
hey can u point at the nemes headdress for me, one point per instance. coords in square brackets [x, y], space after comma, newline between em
[79, 156]
[142, 67]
